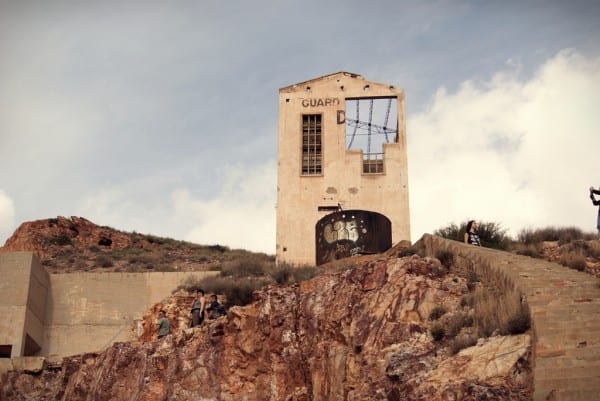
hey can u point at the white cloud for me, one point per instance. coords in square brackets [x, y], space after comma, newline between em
[242, 215]
[519, 152]
[7, 216]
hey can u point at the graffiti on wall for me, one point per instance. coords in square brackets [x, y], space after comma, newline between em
[346, 233]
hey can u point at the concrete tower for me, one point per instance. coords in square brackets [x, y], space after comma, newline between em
[342, 146]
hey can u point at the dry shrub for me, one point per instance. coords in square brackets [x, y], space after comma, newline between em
[407, 252]
[456, 322]
[446, 258]
[531, 250]
[461, 342]
[287, 274]
[505, 314]
[574, 260]
[104, 261]
[235, 291]
[250, 266]
[467, 300]
[561, 234]
[437, 312]
[437, 331]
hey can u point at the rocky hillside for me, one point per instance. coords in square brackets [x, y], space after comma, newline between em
[370, 331]
[76, 244]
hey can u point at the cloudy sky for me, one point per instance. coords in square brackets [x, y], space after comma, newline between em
[161, 117]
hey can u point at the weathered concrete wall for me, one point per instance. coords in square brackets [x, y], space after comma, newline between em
[23, 289]
[66, 314]
[342, 180]
[89, 311]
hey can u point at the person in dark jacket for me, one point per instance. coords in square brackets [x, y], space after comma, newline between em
[215, 309]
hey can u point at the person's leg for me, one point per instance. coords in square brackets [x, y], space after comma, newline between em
[195, 318]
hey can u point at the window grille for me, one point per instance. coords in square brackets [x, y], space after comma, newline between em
[311, 144]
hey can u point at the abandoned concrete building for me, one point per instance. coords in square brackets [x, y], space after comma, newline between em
[342, 184]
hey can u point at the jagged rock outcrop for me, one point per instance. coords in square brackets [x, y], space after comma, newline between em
[48, 236]
[358, 334]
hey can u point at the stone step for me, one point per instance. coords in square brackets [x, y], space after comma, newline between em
[583, 394]
[567, 362]
[570, 385]
[544, 325]
[574, 372]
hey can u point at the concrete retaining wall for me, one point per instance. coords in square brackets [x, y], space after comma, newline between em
[67, 314]
[565, 312]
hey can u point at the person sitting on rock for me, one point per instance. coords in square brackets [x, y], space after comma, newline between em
[163, 324]
[215, 309]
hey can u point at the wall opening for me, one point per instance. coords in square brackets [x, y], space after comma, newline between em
[5, 350]
[371, 122]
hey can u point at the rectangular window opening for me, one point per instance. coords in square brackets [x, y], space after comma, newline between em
[371, 122]
[329, 208]
[311, 144]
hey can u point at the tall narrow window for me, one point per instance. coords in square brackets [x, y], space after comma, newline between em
[311, 144]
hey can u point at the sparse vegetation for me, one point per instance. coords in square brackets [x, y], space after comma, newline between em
[574, 260]
[407, 252]
[59, 240]
[461, 342]
[492, 234]
[446, 258]
[437, 331]
[104, 261]
[561, 234]
[437, 312]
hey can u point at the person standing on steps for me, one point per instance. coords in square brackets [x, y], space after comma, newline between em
[596, 203]
[198, 306]
[471, 236]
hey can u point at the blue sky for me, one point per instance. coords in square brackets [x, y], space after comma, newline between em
[161, 117]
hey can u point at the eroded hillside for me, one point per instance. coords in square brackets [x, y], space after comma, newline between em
[76, 244]
[362, 333]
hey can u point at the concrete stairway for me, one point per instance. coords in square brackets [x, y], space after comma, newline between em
[565, 311]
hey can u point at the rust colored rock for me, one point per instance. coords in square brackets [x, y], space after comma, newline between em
[358, 334]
